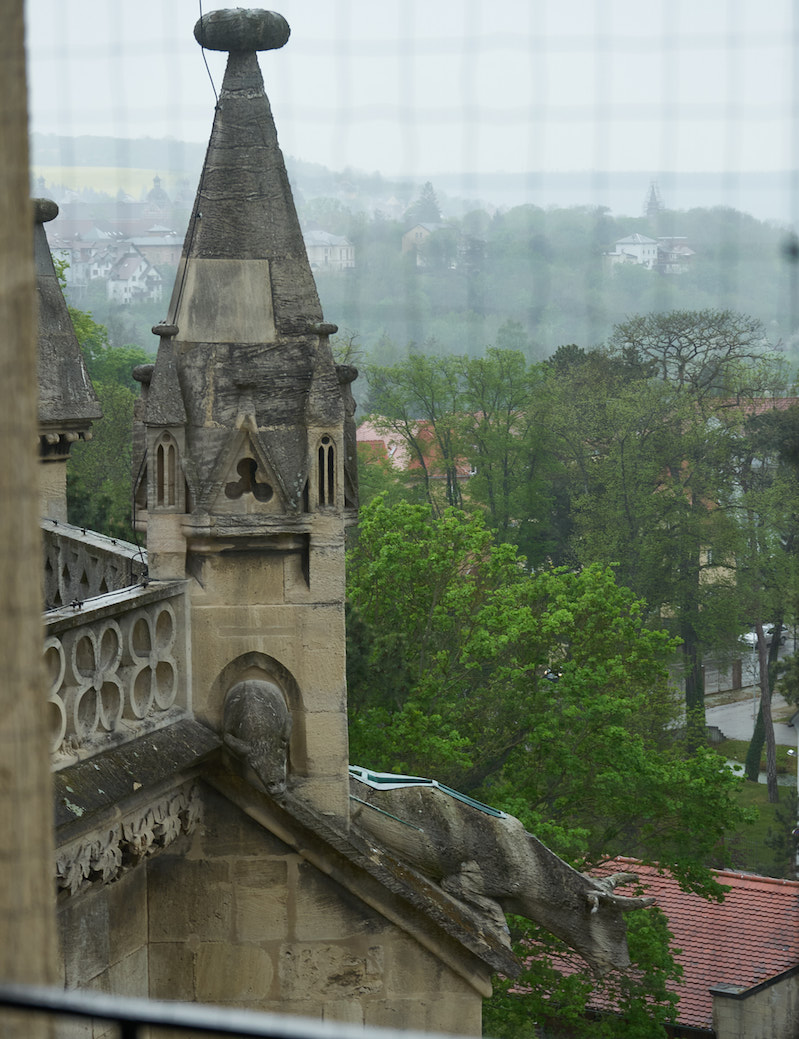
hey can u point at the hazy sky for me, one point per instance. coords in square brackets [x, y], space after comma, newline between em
[431, 86]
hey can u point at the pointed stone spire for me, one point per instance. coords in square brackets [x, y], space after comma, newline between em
[244, 209]
[66, 395]
[67, 401]
[246, 351]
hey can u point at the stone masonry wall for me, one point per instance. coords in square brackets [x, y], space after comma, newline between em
[230, 915]
[771, 1012]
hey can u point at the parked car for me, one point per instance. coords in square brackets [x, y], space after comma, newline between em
[750, 637]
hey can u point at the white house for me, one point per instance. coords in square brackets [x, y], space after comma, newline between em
[636, 248]
[328, 252]
[133, 278]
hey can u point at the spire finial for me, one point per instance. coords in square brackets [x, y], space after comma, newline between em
[239, 29]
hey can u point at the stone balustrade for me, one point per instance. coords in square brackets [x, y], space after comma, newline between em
[80, 564]
[116, 668]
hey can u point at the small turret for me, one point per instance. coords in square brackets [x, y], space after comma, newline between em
[67, 401]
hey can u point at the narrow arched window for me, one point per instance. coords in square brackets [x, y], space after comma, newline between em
[327, 472]
[166, 468]
[159, 475]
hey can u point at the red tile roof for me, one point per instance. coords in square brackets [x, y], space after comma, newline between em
[750, 937]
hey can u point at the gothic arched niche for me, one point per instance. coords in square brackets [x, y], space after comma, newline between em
[257, 728]
[249, 691]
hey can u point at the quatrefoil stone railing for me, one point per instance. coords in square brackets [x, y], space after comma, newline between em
[115, 667]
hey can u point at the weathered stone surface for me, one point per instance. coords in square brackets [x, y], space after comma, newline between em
[110, 779]
[257, 727]
[240, 29]
[488, 860]
[228, 973]
[171, 971]
[326, 912]
[66, 395]
[261, 900]
[343, 1011]
[127, 914]
[329, 971]
[189, 900]
[84, 927]
[130, 975]
[227, 833]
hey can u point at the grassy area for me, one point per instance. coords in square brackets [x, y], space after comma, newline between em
[765, 846]
[735, 750]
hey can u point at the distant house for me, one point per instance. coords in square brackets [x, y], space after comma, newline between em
[133, 279]
[674, 255]
[329, 252]
[403, 453]
[667, 254]
[417, 236]
[390, 446]
[160, 245]
[740, 957]
[635, 248]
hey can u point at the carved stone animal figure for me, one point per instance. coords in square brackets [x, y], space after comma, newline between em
[487, 859]
[257, 728]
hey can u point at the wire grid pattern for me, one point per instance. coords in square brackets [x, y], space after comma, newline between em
[460, 90]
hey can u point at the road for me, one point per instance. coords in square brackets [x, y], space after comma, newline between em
[737, 720]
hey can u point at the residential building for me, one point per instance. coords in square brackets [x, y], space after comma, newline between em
[329, 252]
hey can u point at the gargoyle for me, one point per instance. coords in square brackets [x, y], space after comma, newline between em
[257, 728]
[488, 860]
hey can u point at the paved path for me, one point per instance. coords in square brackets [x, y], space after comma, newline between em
[737, 720]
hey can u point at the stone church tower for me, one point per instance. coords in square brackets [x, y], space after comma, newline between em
[245, 487]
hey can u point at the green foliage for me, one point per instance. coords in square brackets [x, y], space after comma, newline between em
[425, 209]
[543, 693]
[461, 643]
[99, 470]
[643, 998]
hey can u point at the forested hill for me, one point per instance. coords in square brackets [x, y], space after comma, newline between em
[534, 279]
[525, 269]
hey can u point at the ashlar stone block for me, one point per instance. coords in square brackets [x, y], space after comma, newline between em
[127, 913]
[327, 971]
[84, 927]
[227, 973]
[171, 971]
[326, 911]
[189, 899]
[261, 900]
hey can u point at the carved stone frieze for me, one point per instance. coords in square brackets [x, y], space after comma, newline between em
[104, 855]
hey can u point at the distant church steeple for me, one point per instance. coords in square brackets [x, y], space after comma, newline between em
[653, 205]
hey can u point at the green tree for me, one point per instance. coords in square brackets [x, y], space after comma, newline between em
[643, 999]
[481, 641]
[768, 510]
[419, 400]
[545, 694]
[99, 470]
[424, 209]
[660, 487]
[701, 351]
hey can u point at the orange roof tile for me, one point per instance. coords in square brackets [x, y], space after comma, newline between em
[750, 937]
